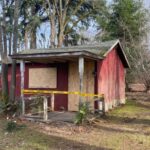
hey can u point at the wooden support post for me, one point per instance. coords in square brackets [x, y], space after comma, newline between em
[52, 101]
[22, 70]
[81, 74]
[103, 105]
[45, 105]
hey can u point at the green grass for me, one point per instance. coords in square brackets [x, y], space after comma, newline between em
[23, 139]
[124, 128]
[130, 111]
[131, 108]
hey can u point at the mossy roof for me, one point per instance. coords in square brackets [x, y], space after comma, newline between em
[98, 49]
[93, 51]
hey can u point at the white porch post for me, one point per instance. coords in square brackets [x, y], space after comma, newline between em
[81, 74]
[45, 104]
[22, 70]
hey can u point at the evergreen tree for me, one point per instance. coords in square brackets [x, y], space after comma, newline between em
[126, 20]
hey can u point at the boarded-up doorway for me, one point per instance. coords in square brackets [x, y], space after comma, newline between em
[73, 100]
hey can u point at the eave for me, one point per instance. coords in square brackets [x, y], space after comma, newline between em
[57, 56]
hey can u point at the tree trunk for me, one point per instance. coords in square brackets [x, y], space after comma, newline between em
[10, 43]
[60, 39]
[26, 39]
[33, 39]
[53, 32]
[15, 39]
[4, 76]
[4, 79]
[66, 41]
[33, 32]
[3, 44]
[60, 34]
[13, 82]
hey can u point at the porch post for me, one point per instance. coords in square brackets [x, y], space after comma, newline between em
[22, 69]
[81, 73]
[45, 108]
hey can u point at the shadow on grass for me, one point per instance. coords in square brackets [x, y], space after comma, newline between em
[117, 120]
[42, 141]
[144, 105]
[127, 120]
[62, 143]
[110, 129]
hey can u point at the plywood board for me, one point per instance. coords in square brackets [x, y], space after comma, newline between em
[88, 84]
[42, 77]
[73, 100]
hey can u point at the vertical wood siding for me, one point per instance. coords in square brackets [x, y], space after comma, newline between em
[111, 79]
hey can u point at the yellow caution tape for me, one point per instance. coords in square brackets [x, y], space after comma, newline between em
[61, 92]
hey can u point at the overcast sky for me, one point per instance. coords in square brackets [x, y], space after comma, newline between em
[147, 3]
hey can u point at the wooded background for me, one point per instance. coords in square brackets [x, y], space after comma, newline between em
[22, 26]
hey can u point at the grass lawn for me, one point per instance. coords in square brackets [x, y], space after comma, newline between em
[125, 128]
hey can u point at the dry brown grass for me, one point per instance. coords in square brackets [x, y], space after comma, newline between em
[125, 128]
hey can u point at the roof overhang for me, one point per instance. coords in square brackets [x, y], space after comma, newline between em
[89, 52]
[57, 56]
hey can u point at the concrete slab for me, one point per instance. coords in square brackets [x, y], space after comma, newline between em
[54, 116]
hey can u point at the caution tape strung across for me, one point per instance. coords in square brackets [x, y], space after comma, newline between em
[61, 92]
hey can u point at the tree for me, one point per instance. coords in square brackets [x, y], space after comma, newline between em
[66, 15]
[32, 17]
[15, 40]
[126, 20]
[4, 50]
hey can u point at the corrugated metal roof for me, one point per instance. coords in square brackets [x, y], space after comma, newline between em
[98, 49]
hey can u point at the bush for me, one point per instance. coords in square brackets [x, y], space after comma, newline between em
[12, 126]
[8, 108]
[83, 112]
[4, 97]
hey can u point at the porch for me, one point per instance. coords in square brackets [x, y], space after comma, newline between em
[76, 67]
[36, 108]
[56, 116]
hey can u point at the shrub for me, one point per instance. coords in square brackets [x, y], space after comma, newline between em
[83, 112]
[8, 108]
[12, 126]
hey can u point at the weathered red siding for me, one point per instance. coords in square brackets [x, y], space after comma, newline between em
[61, 100]
[111, 79]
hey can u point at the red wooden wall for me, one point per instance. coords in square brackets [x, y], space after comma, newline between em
[61, 100]
[111, 79]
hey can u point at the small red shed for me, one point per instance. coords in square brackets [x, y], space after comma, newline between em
[98, 69]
